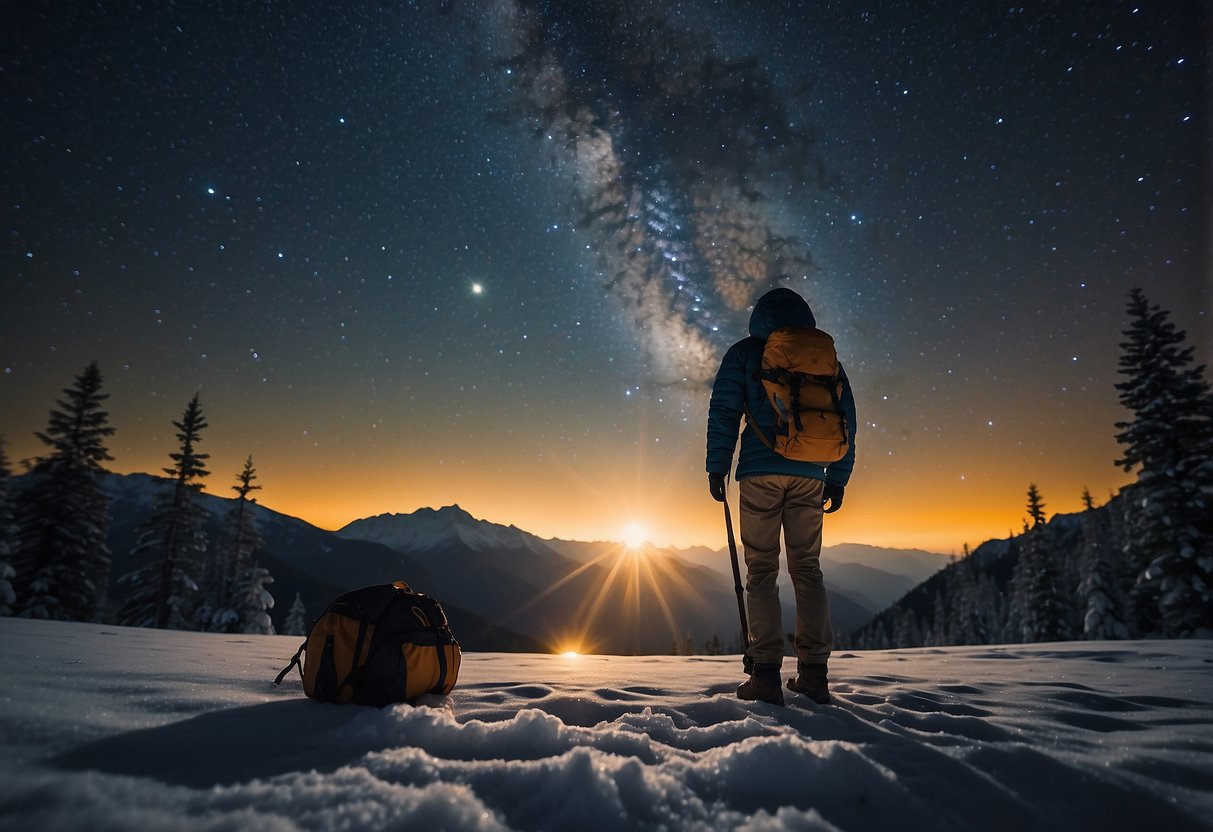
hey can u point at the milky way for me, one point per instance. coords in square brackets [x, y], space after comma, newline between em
[491, 251]
[680, 158]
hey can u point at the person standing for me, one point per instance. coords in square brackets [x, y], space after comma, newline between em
[781, 489]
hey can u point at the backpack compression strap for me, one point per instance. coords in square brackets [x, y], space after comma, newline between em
[766, 440]
[437, 688]
[795, 381]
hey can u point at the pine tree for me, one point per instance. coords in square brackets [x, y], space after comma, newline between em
[159, 592]
[1098, 591]
[296, 618]
[1017, 593]
[992, 608]
[938, 634]
[60, 557]
[880, 638]
[1044, 611]
[969, 628]
[736, 646]
[1036, 506]
[232, 557]
[253, 601]
[7, 596]
[905, 628]
[1169, 439]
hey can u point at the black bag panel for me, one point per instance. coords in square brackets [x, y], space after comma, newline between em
[327, 683]
[384, 678]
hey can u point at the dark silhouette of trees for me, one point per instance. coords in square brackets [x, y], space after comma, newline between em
[1140, 565]
[1036, 506]
[7, 529]
[1169, 440]
[236, 587]
[1098, 590]
[60, 560]
[159, 593]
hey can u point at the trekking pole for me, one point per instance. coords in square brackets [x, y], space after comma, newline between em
[745, 627]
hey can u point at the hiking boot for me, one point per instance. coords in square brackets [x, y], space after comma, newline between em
[811, 681]
[762, 685]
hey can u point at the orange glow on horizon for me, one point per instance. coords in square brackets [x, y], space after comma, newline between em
[874, 512]
[923, 492]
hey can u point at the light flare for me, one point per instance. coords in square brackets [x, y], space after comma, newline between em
[634, 535]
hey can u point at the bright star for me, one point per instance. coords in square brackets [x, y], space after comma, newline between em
[477, 289]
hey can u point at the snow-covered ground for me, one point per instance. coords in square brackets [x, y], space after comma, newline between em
[113, 728]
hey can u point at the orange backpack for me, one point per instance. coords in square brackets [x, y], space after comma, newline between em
[378, 645]
[802, 380]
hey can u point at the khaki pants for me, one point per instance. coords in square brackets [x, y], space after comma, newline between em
[793, 503]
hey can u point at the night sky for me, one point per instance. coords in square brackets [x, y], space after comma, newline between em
[419, 253]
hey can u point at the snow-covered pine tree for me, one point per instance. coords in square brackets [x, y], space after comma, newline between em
[158, 593]
[60, 557]
[906, 632]
[937, 633]
[991, 607]
[1012, 622]
[1044, 612]
[253, 601]
[296, 618]
[968, 626]
[1025, 582]
[231, 557]
[875, 635]
[7, 596]
[1098, 591]
[1169, 439]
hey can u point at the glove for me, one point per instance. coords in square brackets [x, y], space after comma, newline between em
[716, 487]
[833, 496]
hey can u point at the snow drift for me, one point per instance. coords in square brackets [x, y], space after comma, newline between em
[115, 728]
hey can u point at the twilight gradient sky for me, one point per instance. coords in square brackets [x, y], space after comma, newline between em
[416, 253]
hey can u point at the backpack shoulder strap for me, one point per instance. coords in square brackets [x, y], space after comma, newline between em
[749, 417]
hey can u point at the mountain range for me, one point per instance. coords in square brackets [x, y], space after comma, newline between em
[505, 589]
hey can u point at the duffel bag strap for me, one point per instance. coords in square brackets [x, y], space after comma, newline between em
[294, 663]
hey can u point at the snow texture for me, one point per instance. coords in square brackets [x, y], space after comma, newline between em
[114, 728]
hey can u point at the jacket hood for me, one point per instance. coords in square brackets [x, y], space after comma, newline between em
[779, 308]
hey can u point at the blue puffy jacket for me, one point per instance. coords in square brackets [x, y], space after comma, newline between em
[737, 384]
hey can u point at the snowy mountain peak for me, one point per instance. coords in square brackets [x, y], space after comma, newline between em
[454, 510]
[429, 530]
